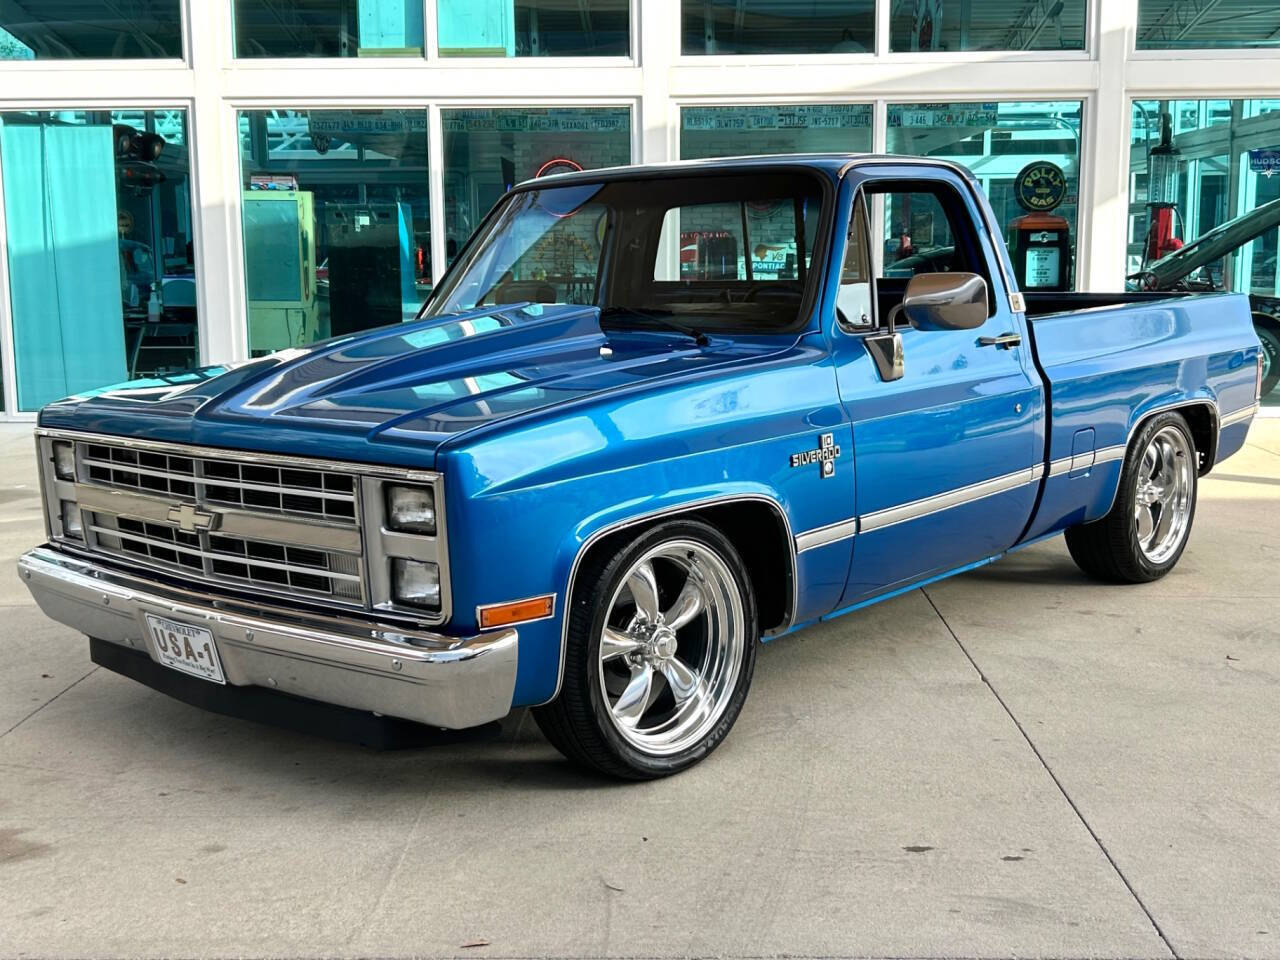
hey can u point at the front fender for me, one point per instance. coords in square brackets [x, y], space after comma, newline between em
[522, 506]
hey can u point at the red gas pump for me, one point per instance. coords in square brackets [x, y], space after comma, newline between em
[1164, 163]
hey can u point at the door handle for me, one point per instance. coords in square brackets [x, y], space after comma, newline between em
[1005, 341]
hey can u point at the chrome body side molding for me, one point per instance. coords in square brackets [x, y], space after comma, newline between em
[831, 533]
[1110, 454]
[1239, 416]
[945, 501]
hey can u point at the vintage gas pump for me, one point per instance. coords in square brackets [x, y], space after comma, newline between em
[1164, 163]
[1040, 240]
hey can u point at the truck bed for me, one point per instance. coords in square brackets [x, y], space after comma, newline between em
[1109, 361]
[1046, 304]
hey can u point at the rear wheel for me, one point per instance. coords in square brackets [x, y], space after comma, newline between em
[1142, 538]
[660, 650]
[1268, 330]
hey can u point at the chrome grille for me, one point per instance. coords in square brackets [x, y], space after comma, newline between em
[231, 559]
[286, 490]
[281, 526]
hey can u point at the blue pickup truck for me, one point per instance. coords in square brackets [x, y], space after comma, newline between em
[650, 417]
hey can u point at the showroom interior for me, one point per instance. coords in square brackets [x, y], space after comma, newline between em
[189, 183]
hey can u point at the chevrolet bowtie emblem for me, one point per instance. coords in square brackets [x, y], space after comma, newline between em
[190, 519]
[826, 454]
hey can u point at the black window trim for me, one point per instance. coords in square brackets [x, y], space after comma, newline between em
[873, 324]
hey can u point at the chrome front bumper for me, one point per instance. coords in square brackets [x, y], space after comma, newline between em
[443, 681]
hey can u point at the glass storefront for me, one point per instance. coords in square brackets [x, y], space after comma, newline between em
[1208, 24]
[487, 151]
[922, 26]
[533, 28]
[336, 217]
[335, 204]
[328, 28]
[1201, 170]
[777, 26]
[798, 128]
[99, 247]
[1027, 157]
[90, 30]
[465, 28]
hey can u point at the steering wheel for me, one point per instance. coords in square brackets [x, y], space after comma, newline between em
[750, 294]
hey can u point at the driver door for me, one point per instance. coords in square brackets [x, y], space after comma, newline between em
[945, 454]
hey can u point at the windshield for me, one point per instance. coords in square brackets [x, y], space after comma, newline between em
[704, 252]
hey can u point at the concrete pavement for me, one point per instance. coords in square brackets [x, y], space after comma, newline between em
[1015, 762]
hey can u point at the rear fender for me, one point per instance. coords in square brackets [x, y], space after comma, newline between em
[1201, 414]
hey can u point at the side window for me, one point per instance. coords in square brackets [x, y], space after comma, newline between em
[853, 299]
[919, 237]
[925, 227]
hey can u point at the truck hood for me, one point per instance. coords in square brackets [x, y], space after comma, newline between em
[398, 394]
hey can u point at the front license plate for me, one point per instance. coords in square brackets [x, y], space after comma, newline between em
[186, 648]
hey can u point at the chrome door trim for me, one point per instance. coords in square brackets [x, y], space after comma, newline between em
[945, 501]
[822, 536]
[691, 507]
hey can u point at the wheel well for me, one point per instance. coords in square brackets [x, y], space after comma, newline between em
[1202, 420]
[759, 534]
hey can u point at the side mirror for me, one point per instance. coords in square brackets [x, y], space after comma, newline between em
[946, 301]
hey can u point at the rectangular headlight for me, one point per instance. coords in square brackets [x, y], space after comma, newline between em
[64, 459]
[415, 582]
[411, 509]
[71, 525]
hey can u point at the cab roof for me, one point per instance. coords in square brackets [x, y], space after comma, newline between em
[833, 165]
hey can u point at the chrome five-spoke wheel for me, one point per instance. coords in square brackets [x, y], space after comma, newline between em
[1162, 501]
[1142, 536]
[667, 667]
[659, 651]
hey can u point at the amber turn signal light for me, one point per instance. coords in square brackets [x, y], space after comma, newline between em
[518, 611]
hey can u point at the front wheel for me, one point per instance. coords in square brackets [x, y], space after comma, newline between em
[659, 654]
[1143, 536]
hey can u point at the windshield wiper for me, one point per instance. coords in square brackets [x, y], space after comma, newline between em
[653, 316]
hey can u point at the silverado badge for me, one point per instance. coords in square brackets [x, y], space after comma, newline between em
[826, 454]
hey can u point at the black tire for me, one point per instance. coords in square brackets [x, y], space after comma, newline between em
[1268, 331]
[1109, 549]
[578, 722]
